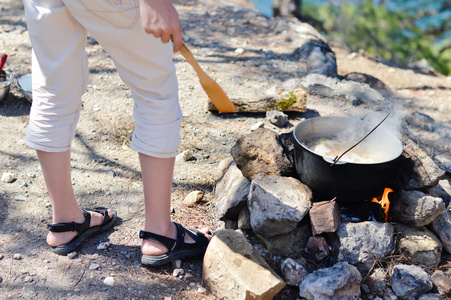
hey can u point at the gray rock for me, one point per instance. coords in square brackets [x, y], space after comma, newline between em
[419, 171]
[291, 243]
[329, 87]
[293, 272]
[372, 81]
[277, 204]
[277, 118]
[415, 208]
[420, 245]
[94, 266]
[441, 226]
[430, 297]
[244, 219]
[233, 269]
[342, 281]
[261, 152]
[365, 242]
[410, 282]
[232, 189]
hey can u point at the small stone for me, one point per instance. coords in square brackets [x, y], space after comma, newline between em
[17, 256]
[72, 255]
[21, 183]
[257, 126]
[103, 246]
[28, 279]
[1, 256]
[8, 177]
[239, 51]
[277, 118]
[201, 290]
[178, 272]
[185, 156]
[177, 264]
[94, 266]
[109, 281]
[193, 198]
[31, 175]
[20, 198]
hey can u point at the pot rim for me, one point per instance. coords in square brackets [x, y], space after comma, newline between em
[330, 159]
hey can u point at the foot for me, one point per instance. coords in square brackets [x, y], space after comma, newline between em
[154, 248]
[61, 238]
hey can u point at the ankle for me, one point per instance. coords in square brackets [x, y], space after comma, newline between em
[75, 215]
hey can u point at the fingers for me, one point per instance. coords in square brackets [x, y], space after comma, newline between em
[177, 40]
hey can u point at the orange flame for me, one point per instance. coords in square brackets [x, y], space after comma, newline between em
[384, 202]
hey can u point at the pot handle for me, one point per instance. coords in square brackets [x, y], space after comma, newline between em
[337, 158]
[332, 161]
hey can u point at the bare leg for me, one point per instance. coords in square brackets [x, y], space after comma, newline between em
[57, 174]
[157, 182]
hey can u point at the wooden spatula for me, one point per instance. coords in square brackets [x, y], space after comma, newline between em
[211, 87]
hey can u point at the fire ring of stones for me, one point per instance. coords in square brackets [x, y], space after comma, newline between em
[323, 249]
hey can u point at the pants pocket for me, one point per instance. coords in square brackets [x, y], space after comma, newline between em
[122, 14]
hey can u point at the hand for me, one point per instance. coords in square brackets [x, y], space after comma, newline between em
[159, 18]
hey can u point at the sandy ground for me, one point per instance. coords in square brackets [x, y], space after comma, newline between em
[106, 171]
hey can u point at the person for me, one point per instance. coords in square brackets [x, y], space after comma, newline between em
[138, 35]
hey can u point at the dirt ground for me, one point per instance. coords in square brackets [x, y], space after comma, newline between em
[106, 170]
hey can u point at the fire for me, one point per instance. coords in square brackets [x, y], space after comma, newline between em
[384, 202]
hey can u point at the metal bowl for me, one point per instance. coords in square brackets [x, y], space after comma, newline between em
[5, 83]
[24, 83]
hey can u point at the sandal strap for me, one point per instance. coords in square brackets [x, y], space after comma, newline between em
[72, 226]
[101, 210]
[167, 242]
[179, 243]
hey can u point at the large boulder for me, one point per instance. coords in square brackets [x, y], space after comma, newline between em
[277, 204]
[231, 190]
[261, 152]
[415, 208]
[234, 270]
[363, 243]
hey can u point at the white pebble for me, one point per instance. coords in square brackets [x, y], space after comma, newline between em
[178, 272]
[257, 126]
[20, 198]
[109, 281]
[94, 266]
[8, 177]
[17, 256]
[239, 51]
[103, 246]
[72, 255]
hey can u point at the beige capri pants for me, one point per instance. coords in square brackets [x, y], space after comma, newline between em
[58, 33]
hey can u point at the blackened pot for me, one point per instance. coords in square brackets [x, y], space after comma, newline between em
[349, 182]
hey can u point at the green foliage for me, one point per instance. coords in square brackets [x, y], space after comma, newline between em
[287, 100]
[389, 33]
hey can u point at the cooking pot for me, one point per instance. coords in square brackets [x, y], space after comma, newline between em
[347, 181]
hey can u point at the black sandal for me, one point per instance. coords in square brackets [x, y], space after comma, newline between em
[177, 249]
[83, 229]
